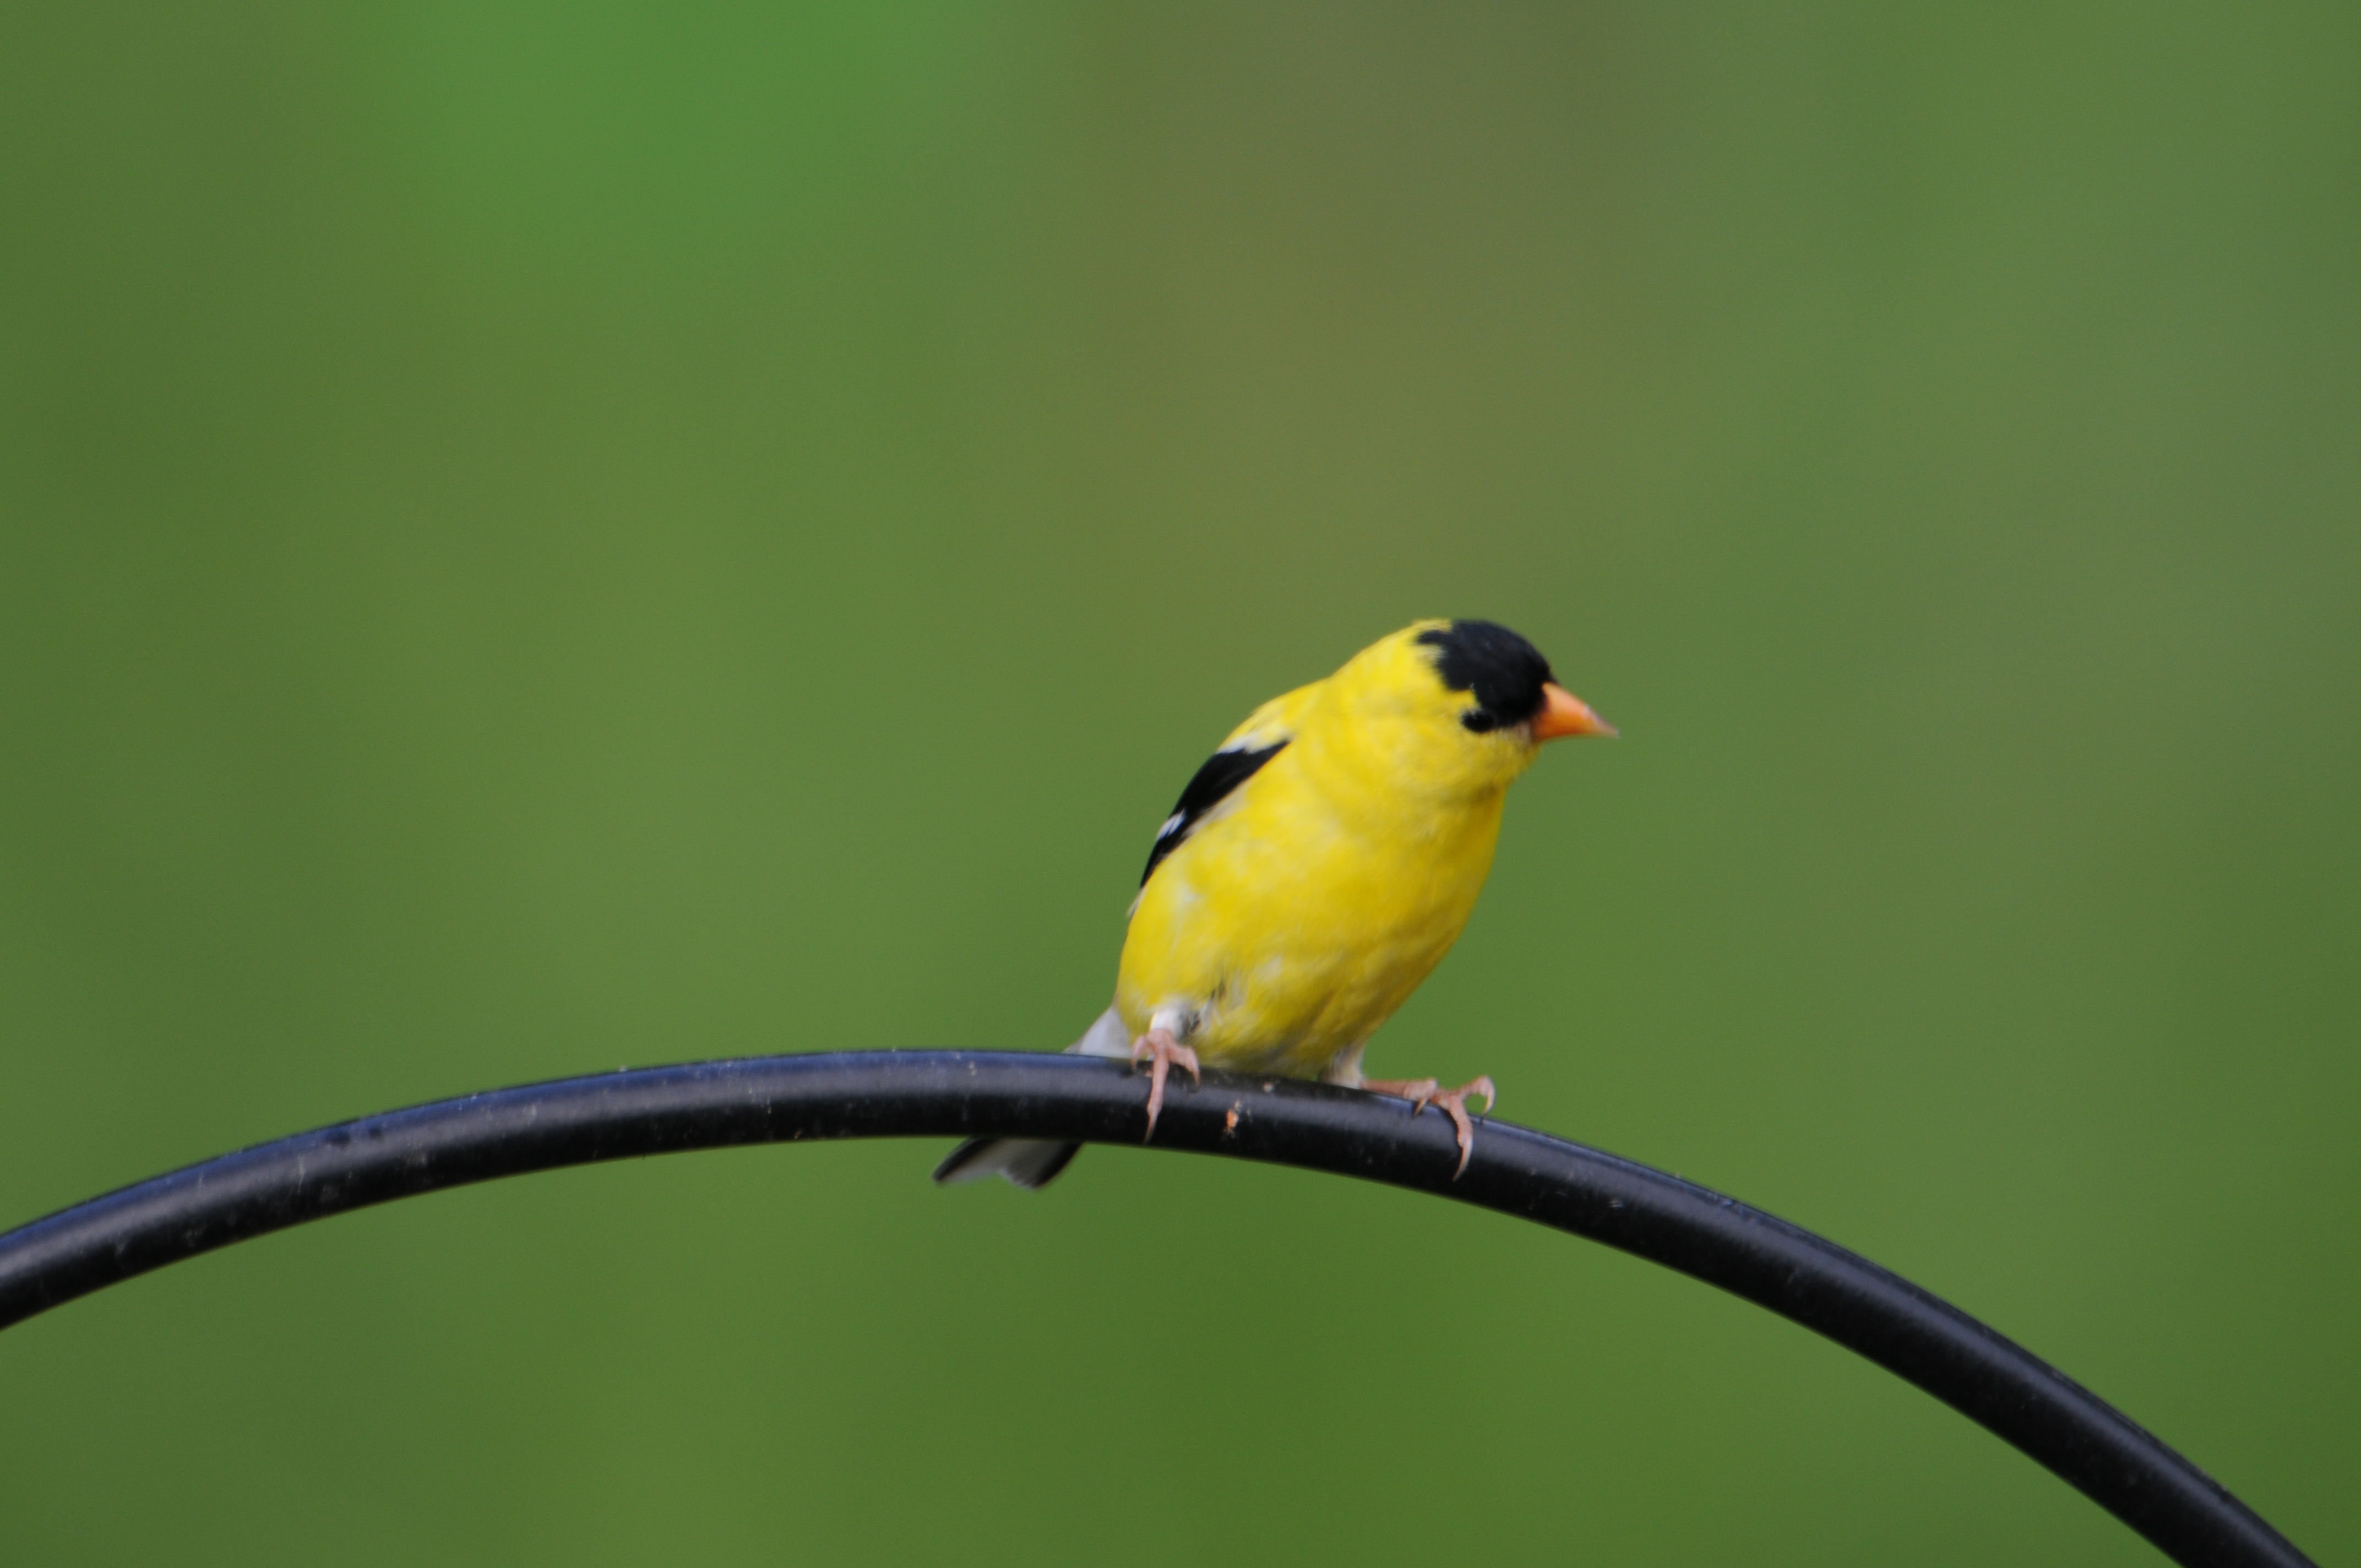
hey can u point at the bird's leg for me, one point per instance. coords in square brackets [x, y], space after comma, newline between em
[1158, 1048]
[1423, 1092]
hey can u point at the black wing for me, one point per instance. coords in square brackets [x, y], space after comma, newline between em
[1223, 772]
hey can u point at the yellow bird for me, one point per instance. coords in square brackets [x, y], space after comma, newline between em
[1317, 869]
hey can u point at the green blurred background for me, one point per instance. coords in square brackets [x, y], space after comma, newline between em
[536, 537]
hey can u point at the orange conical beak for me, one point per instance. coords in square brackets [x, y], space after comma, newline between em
[1564, 714]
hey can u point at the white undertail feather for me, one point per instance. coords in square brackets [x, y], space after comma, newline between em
[1106, 1036]
[1032, 1162]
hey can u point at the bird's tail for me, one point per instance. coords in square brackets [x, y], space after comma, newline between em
[1035, 1162]
[1028, 1162]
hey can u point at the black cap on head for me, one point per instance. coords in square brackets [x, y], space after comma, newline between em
[1503, 671]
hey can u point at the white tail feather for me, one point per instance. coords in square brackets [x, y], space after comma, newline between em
[1033, 1162]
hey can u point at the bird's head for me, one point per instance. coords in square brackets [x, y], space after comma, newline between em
[1459, 705]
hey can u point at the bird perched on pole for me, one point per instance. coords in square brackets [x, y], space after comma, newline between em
[1316, 870]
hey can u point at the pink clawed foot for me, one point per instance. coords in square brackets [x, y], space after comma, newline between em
[1162, 1051]
[1423, 1092]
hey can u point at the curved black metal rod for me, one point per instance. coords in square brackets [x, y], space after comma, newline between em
[862, 1094]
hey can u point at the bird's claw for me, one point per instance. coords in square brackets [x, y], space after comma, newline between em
[1423, 1092]
[1158, 1048]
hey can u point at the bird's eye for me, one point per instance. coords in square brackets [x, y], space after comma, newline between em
[1479, 721]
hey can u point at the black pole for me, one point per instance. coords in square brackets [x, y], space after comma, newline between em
[869, 1095]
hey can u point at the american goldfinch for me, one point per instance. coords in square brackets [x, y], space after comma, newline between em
[1317, 869]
